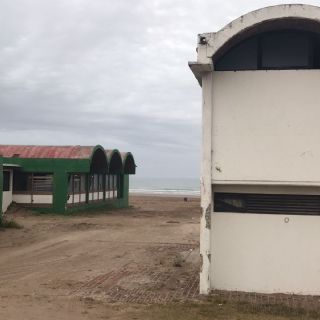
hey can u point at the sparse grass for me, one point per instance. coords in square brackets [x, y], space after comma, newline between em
[9, 224]
[229, 310]
[178, 261]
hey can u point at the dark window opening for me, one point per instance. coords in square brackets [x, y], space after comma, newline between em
[129, 165]
[115, 163]
[21, 182]
[35, 183]
[77, 188]
[92, 188]
[42, 183]
[6, 180]
[267, 203]
[244, 56]
[98, 161]
[287, 49]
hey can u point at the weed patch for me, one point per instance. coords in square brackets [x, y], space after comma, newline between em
[9, 224]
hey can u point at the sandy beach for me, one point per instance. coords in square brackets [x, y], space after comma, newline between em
[98, 264]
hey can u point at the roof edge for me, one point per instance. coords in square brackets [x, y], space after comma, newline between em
[210, 43]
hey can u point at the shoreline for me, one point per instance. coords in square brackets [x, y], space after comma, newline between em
[163, 195]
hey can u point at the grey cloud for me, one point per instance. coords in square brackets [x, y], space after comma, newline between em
[108, 72]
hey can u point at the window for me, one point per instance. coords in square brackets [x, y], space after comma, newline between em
[100, 182]
[286, 51]
[107, 182]
[42, 183]
[115, 184]
[77, 183]
[95, 182]
[242, 57]
[6, 180]
[96, 187]
[101, 187]
[91, 182]
[33, 183]
[273, 50]
[267, 203]
[110, 182]
[111, 186]
[77, 188]
[22, 182]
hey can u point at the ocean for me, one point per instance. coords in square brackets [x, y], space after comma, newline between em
[165, 186]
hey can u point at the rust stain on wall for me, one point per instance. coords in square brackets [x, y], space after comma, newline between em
[208, 217]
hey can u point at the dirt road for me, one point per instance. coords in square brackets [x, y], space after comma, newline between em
[99, 265]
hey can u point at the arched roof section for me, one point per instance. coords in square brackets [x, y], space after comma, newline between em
[291, 16]
[129, 165]
[114, 161]
[98, 160]
[48, 152]
[95, 155]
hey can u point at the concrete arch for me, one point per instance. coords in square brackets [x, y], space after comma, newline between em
[98, 160]
[129, 165]
[115, 165]
[290, 16]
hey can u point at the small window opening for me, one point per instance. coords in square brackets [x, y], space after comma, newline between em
[6, 180]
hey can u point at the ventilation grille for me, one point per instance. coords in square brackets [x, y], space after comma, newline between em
[267, 203]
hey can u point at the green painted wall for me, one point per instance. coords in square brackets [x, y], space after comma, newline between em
[52, 165]
[60, 169]
[60, 191]
[125, 190]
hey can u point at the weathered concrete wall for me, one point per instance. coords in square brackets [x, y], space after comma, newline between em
[265, 131]
[259, 128]
[205, 185]
[266, 253]
[266, 126]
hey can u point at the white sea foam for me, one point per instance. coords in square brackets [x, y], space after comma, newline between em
[165, 186]
[166, 192]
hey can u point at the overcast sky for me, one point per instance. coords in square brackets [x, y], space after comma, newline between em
[108, 72]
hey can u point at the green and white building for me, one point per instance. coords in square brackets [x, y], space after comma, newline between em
[63, 179]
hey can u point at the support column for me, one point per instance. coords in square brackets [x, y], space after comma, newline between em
[60, 191]
[124, 185]
[88, 176]
[205, 185]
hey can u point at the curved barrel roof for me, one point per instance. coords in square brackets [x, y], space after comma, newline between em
[115, 161]
[46, 152]
[213, 45]
[285, 16]
[129, 165]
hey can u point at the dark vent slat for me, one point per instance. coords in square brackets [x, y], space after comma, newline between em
[284, 203]
[281, 210]
[267, 203]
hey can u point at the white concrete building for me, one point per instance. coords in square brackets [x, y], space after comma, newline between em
[260, 180]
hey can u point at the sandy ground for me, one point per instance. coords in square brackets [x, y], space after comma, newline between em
[99, 265]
